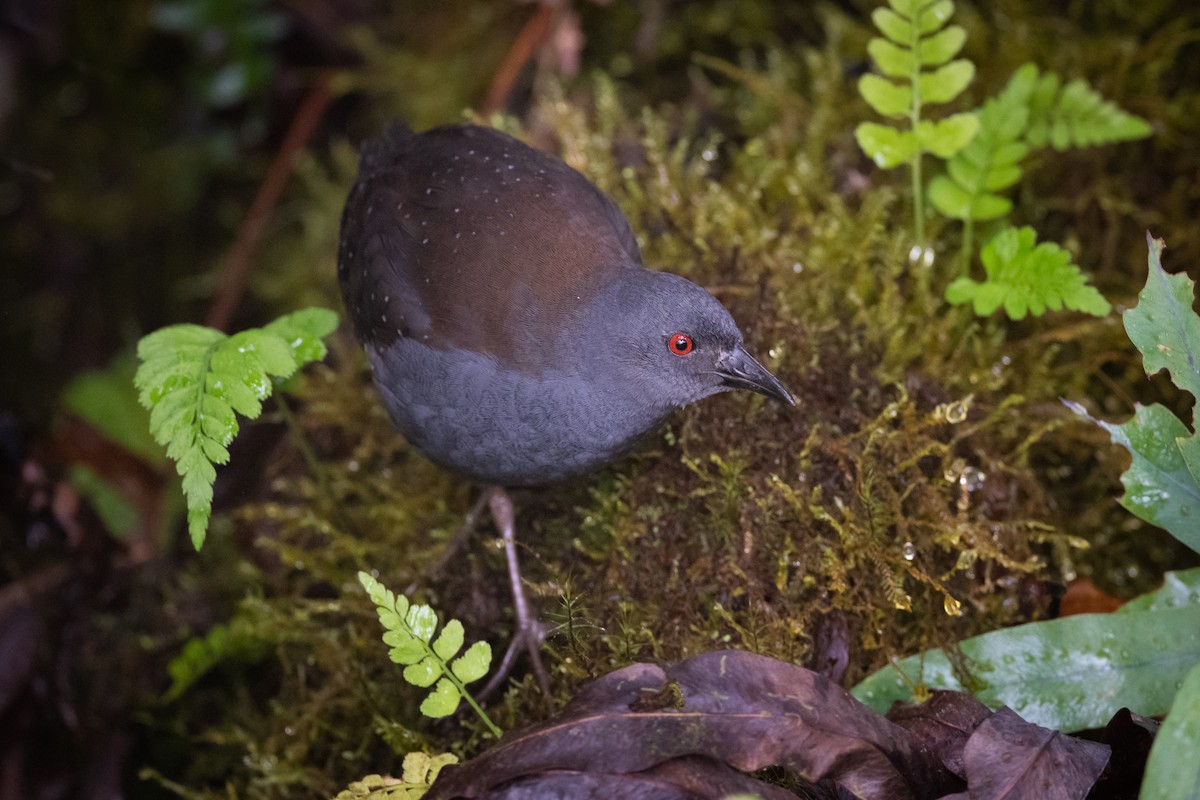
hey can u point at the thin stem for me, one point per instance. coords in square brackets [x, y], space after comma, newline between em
[914, 119]
[968, 246]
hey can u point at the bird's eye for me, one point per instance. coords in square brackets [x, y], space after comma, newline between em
[680, 344]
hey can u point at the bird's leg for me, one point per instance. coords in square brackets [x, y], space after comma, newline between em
[529, 632]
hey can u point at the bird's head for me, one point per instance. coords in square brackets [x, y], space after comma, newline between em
[674, 342]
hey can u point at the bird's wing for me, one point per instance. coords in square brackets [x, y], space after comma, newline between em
[464, 237]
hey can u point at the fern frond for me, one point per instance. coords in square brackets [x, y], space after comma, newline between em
[1076, 115]
[1026, 279]
[195, 380]
[914, 40]
[990, 163]
[427, 661]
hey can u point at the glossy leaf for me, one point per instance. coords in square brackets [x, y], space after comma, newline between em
[1163, 326]
[1179, 589]
[1159, 487]
[1067, 674]
[1173, 770]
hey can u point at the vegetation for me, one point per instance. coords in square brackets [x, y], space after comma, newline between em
[930, 491]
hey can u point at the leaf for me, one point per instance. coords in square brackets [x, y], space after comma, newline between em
[942, 46]
[1163, 326]
[449, 641]
[1159, 488]
[409, 630]
[1024, 279]
[423, 673]
[947, 136]
[1179, 589]
[1077, 116]
[1067, 674]
[195, 380]
[1168, 776]
[892, 60]
[442, 701]
[740, 708]
[886, 146]
[305, 331]
[1007, 757]
[912, 41]
[885, 97]
[473, 664]
[989, 162]
[946, 82]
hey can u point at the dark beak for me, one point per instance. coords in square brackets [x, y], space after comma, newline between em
[739, 370]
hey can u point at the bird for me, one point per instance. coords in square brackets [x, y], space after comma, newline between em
[513, 332]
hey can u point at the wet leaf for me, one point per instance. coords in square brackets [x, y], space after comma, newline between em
[1173, 771]
[1066, 673]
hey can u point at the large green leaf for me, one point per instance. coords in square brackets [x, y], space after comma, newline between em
[1159, 487]
[1163, 326]
[1068, 674]
[1173, 770]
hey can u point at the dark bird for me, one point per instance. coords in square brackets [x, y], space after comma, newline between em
[512, 330]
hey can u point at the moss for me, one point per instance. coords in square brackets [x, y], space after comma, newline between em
[927, 487]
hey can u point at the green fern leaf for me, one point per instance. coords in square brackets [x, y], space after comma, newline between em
[1026, 279]
[409, 632]
[990, 161]
[915, 40]
[1077, 116]
[195, 380]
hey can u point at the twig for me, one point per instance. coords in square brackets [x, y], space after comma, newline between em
[535, 33]
[241, 254]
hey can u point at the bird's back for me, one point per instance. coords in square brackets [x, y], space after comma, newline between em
[464, 238]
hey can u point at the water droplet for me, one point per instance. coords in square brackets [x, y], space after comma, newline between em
[797, 268]
[922, 256]
[909, 551]
[956, 413]
[971, 479]
[951, 606]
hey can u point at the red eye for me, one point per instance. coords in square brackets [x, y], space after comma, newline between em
[680, 344]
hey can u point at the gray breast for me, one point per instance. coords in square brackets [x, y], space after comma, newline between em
[507, 427]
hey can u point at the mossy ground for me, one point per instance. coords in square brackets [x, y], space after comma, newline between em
[928, 486]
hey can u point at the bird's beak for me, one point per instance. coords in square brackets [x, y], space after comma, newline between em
[739, 370]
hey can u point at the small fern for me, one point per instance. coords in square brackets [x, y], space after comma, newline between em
[193, 379]
[915, 37]
[410, 630]
[990, 163]
[1075, 115]
[1028, 114]
[1027, 279]
[420, 771]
